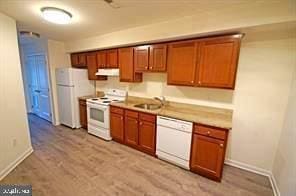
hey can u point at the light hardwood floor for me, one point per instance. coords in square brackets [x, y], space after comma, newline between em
[72, 162]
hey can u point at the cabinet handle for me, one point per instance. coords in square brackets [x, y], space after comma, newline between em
[121, 118]
[208, 132]
[146, 67]
[151, 67]
[141, 123]
[221, 145]
[199, 82]
[192, 81]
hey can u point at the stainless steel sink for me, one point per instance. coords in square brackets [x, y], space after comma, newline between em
[148, 106]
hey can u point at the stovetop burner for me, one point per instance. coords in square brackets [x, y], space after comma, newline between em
[103, 98]
[95, 99]
[106, 101]
[115, 100]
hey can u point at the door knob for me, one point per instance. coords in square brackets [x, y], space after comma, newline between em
[221, 145]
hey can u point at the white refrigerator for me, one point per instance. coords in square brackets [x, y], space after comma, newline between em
[71, 84]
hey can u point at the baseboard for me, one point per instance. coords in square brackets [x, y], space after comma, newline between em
[247, 167]
[15, 163]
[256, 170]
[274, 186]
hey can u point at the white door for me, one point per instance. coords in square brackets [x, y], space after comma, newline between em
[38, 85]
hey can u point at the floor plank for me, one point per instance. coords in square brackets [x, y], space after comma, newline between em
[72, 162]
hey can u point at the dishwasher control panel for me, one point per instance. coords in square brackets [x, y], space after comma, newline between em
[175, 123]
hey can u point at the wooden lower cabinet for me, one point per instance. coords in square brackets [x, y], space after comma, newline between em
[83, 113]
[147, 137]
[131, 131]
[117, 127]
[135, 129]
[208, 152]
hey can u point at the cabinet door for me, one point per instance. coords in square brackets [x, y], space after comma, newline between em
[101, 59]
[218, 62]
[182, 57]
[147, 137]
[158, 57]
[91, 62]
[82, 59]
[112, 58]
[74, 60]
[126, 64]
[83, 114]
[207, 156]
[141, 58]
[117, 127]
[131, 131]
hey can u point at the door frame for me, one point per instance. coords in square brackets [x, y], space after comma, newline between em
[50, 94]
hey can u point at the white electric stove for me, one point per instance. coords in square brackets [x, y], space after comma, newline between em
[98, 112]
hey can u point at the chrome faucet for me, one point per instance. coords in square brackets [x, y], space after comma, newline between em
[161, 99]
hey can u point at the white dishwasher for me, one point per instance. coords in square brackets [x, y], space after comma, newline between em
[174, 140]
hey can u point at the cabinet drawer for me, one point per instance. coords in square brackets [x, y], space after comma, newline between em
[116, 110]
[148, 117]
[211, 132]
[131, 114]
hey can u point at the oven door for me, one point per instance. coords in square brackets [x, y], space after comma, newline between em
[98, 115]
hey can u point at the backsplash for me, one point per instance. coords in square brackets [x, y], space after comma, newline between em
[155, 84]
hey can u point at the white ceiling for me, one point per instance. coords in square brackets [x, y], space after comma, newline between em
[95, 17]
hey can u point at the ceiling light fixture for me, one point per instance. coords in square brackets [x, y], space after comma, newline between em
[56, 15]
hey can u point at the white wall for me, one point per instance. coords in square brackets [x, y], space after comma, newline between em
[15, 141]
[284, 168]
[235, 16]
[57, 57]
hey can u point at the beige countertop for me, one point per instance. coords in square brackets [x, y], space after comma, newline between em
[216, 117]
[86, 97]
[98, 94]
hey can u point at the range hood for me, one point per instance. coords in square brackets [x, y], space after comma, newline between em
[107, 72]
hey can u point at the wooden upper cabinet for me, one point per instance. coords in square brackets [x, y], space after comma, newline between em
[78, 60]
[158, 57]
[141, 58]
[107, 59]
[101, 59]
[91, 62]
[126, 66]
[112, 58]
[150, 58]
[218, 62]
[117, 126]
[182, 57]
[147, 136]
[82, 59]
[74, 59]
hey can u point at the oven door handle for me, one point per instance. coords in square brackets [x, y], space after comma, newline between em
[95, 106]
